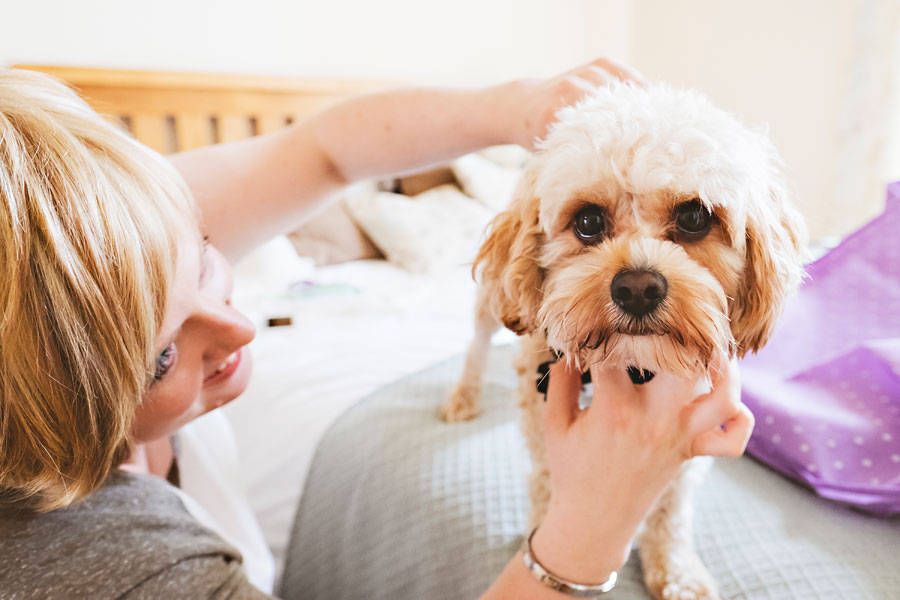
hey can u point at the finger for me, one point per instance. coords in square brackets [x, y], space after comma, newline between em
[614, 400]
[665, 393]
[729, 440]
[620, 70]
[610, 383]
[571, 90]
[583, 85]
[722, 366]
[668, 393]
[598, 76]
[710, 410]
[563, 391]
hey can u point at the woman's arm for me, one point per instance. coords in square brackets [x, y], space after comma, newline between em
[251, 190]
[643, 433]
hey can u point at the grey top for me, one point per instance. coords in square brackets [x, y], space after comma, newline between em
[132, 538]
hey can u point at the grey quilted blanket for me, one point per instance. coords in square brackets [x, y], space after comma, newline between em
[400, 506]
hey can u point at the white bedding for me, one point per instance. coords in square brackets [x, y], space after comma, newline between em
[356, 327]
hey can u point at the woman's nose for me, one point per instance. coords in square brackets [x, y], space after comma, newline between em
[227, 329]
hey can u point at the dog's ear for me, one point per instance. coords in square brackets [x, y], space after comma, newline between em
[773, 267]
[509, 261]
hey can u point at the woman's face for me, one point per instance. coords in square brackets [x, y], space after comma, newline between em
[202, 359]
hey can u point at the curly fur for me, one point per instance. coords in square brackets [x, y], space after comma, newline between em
[638, 152]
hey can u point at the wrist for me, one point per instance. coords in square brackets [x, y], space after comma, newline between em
[506, 123]
[582, 552]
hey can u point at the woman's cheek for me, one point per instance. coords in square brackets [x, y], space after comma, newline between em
[163, 411]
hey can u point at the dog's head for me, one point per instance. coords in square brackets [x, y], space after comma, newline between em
[651, 230]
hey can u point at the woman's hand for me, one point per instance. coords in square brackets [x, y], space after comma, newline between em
[532, 104]
[610, 462]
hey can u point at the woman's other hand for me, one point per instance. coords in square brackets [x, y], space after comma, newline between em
[609, 463]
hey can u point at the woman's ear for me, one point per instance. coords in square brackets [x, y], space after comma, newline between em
[773, 268]
[508, 261]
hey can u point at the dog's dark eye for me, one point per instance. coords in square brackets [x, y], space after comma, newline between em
[692, 219]
[590, 224]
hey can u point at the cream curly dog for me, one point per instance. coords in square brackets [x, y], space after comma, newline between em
[651, 230]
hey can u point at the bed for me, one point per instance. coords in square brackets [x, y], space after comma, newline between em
[338, 435]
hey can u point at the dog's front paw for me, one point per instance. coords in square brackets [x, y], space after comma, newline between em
[683, 582]
[462, 404]
[687, 590]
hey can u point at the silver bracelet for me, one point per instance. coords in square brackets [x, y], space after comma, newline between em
[554, 582]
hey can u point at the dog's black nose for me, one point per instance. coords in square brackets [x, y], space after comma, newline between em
[638, 292]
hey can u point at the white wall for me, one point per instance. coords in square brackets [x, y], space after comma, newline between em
[781, 62]
[458, 42]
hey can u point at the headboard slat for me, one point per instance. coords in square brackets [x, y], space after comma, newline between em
[269, 123]
[151, 130]
[234, 127]
[193, 130]
[206, 108]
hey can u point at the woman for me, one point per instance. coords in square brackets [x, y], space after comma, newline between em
[117, 330]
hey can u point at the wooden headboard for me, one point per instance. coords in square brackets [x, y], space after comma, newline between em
[171, 112]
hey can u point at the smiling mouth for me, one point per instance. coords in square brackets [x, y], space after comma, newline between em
[224, 370]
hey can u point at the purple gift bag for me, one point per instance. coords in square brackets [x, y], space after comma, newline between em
[826, 389]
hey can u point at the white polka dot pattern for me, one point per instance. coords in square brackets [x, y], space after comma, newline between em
[826, 390]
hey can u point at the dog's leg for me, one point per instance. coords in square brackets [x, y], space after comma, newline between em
[672, 569]
[534, 352]
[463, 403]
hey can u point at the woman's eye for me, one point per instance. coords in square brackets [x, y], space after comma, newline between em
[590, 224]
[164, 361]
[693, 219]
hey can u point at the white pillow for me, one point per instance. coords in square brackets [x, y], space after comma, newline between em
[273, 265]
[262, 277]
[436, 230]
[489, 183]
[507, 155]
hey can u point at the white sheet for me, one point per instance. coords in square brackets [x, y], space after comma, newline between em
[356, 327]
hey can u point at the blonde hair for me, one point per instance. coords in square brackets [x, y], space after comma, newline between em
[89, 226]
